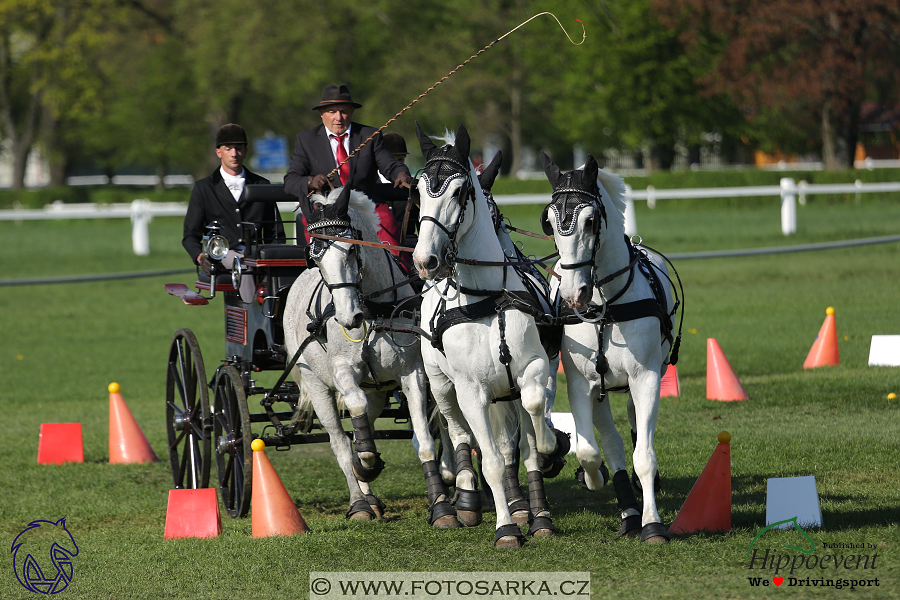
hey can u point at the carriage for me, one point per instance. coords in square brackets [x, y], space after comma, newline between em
[200, 426]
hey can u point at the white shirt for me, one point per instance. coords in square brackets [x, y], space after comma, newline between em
[332, 138]
[235, 183]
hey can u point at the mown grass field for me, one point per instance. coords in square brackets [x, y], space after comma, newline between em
[63, 344]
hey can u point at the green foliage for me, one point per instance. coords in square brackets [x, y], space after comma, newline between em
[40, 197]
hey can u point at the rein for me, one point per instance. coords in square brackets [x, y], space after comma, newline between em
[361, 242]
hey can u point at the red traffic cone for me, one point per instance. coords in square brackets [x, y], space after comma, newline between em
[721, 382]
[127, 443]
[824, 351]
[60, 443]
[669, 385]
[708, 506]
[193, 514]
[272, 511]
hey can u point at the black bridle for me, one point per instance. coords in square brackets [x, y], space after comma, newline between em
[437, 184]
[317, 248]
[566, 211]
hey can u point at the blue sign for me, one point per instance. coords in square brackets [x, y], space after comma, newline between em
[43, 561]
[270, 153]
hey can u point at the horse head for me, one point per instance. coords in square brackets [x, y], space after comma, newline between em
[342, 214]
[581, 223]
[444, 188]
[32, 553]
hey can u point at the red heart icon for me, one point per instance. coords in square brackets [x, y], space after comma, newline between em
[777, 580]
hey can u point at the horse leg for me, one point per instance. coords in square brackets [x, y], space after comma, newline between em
[504, 418]
[440, 514]
[645, 392]
[550, 442]
[587, 451]
[367, 463]
[508, 534]
[539, 520]
[614, 450]
[657, 482]
[323, 401]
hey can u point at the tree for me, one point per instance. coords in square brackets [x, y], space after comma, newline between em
[802, 58]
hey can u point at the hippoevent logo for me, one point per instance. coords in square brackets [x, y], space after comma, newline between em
[42, 556]
[802, 566]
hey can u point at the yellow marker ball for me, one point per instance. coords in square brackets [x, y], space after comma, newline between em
[892, 396]
[257, 445]
[724, 437]
[829, 310]
[114, 388]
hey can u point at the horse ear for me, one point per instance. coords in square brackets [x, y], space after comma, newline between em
[489, 175]
[591, 169]
[425, 142]
[342, 204]
[462, 142]
[550, 169]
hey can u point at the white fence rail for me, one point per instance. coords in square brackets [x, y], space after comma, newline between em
[142, 211]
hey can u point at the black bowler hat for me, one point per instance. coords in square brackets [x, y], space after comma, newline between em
[231, 134]
[395, 143]
[336, 94]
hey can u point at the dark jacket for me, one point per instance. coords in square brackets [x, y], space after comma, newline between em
[313, 156]
[211, 200]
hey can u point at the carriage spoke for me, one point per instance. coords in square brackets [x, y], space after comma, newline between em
[187, 409]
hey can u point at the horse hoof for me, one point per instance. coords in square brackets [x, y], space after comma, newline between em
[469, 518]
[361, 510]
[509, 541]
[377, 505]
[544, 533]
[362, 516]
[520, 517]
[509, 536]
[654, 533]
[445, 522]
[542, 527]
[630, 527]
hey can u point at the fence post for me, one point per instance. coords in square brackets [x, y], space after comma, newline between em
[140, 234]
[651, 196]
[630, 220]
[788, 206]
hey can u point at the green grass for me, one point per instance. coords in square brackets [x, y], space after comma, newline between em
[63, 344]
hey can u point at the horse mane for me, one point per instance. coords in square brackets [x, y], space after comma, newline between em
[358, 200]
[614, 186]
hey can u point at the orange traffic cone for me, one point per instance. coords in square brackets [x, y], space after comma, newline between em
[193, 514]
[127, 443]
[60, 443]
[824, 351]
[721, 382]
[271, 509]
[669, 385]
[708, 506]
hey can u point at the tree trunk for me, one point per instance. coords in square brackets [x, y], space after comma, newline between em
[839, 136]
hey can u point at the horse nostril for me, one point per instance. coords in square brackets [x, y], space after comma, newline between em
[357, 320]
[431, 263]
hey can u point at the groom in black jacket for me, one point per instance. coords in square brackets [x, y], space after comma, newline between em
[220, 197]
[318, 151]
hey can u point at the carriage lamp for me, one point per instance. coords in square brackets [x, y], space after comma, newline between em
[236, 273]
[217, 247]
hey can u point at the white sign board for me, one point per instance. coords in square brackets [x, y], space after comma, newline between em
[789, 497]
[884, 351]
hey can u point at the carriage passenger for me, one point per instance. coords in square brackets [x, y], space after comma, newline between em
[220, 197]
[319, 150]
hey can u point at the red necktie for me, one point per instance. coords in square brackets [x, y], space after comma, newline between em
[341, 156]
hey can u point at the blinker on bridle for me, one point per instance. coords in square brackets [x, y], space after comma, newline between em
[318, 247]
[559, 205]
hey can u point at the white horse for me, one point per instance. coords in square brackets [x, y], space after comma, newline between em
[620, 338]
[350, 358]
[482, 350]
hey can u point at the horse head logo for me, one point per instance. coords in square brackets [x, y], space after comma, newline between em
[47, 542]
[812, 544]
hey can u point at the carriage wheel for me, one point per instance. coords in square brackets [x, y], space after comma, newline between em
[187, 413]
[231, 430]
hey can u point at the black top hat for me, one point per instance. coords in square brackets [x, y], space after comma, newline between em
[395, 143]
[230, 134]
[336, 94]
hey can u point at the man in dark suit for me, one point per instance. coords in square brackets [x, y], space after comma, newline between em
[219, 197]
[319, 150]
